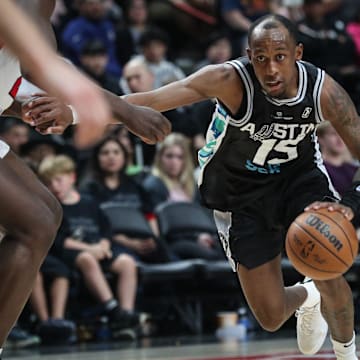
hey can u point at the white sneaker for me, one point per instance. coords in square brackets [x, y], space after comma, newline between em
[311, 327]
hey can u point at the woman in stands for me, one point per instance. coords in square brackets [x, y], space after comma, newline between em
[109, 184]
[173, 179]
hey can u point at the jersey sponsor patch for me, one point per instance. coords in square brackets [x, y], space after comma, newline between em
[267, 169]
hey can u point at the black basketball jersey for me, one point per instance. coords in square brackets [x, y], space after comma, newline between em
[268, 141]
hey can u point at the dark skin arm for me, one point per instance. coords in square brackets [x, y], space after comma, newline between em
[214, 81]
[338, 108]
[40, 11]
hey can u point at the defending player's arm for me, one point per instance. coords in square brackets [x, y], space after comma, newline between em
[339, 109]
[40, 11]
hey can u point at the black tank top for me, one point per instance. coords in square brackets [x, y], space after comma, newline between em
[250, 153]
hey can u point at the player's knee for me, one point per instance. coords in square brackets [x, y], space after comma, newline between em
[57, 213]
[270, 319]
[50, 226]
[270, 324]
[39, 231]
[53, 210]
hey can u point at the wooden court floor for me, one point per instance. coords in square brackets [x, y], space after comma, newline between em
[267, 349]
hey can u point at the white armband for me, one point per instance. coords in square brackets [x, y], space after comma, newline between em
[74, 115]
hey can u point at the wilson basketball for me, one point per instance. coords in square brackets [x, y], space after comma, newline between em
[321, 244]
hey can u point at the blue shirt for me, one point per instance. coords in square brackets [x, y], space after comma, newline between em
[81, 30]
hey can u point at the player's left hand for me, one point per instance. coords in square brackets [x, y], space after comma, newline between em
[331, 206]
[47, 114]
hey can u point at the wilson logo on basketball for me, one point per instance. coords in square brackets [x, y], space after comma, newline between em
[324, 229]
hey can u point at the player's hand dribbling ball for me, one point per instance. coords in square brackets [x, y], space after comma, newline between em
[321, 244]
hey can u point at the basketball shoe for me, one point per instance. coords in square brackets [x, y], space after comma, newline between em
[311, 327]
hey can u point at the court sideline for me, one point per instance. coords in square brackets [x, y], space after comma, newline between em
[279, 349]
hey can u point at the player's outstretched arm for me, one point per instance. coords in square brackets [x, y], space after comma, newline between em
[213, 81]
[52, 74]
[219, 81]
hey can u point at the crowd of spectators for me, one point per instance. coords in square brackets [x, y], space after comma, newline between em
[131, 46]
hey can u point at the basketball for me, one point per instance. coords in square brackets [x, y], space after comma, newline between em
[321, 244]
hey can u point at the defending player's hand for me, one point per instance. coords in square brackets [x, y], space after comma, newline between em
[149, 125]
[331, 206]
[47, 114]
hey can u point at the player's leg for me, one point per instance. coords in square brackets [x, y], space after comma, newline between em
[271, 303]
[337, 308]
[255, 252]
[336, 304]
[30, 216]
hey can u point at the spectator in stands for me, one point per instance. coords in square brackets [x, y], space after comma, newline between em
[53, 328]
[38, 147]
[110, 185]
[237, 16]
[94, 59]
[173, 180]
[129, 33]
[337, 158]
[138, 77]
[353, 29]
[15, 132]
[92, 23]
[114, 11]
[187, 22]
[292, 9]
[154, 46]
[87, 246]
[132, 145]
[328, 45]
[217, 50]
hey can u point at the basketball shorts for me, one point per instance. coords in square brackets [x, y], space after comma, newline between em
[255, 234]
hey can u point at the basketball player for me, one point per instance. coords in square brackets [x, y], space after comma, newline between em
[261, 168]
[29, 214]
